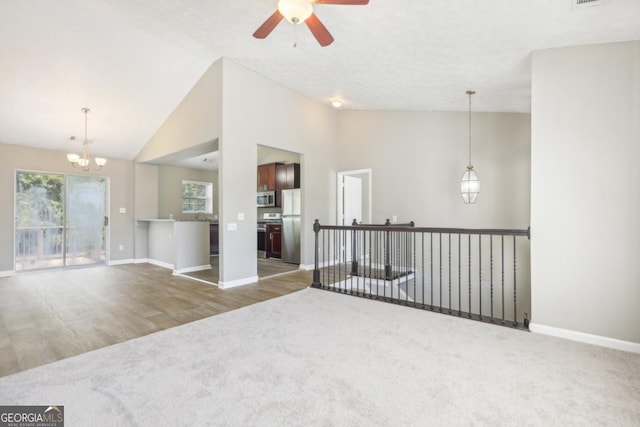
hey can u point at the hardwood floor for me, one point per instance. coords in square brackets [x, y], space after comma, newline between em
[50, 315]
[266, 268]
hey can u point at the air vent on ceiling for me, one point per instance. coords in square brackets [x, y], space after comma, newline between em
[578, 4]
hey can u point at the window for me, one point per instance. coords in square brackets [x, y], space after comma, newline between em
[197, 197]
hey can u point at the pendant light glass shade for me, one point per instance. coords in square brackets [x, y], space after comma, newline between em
[470, 183]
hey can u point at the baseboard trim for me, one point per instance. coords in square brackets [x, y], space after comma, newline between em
[238, 282]
[140, 260]
[583, 337]
[7, 273]
[121, 262]
[160, 263]
[192, 269]
[197, 279]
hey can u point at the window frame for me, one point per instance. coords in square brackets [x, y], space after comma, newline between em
[189, 199]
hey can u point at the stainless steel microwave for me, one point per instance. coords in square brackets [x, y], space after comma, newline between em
[266, 199]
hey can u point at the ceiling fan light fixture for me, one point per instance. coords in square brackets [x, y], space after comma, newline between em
[295, 11]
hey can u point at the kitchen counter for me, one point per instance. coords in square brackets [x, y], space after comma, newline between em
[182, 246]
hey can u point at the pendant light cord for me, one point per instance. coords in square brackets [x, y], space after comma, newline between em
[470, 92]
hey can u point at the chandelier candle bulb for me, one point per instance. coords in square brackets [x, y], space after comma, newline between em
[84, 161]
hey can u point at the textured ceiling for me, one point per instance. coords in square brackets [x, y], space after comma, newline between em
[132, 62]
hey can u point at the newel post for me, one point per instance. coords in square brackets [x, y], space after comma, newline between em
[354, 254]
[316, 265]
[388, 272]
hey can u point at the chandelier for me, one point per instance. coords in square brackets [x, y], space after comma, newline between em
[83, 161]
[470, 184]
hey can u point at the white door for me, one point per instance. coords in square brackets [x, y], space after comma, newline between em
[352, 199]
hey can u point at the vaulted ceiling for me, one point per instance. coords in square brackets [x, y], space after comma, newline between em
[132, 62]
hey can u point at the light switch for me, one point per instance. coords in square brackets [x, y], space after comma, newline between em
[232, 226]
[123, 210]
[240, 216]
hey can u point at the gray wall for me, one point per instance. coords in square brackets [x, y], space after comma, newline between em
[196, 120]
[418, 158]
[585, 199]
[121, 178]
[258, 111]
[146, 205]
[170, 189]
[417, 161]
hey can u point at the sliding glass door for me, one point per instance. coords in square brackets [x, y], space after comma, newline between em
[60, 220]
[85, 220]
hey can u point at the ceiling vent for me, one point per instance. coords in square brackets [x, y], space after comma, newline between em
[579, 4]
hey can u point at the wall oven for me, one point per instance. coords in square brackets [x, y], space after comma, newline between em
[266, 199]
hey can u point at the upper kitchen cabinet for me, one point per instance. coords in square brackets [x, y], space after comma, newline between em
[267, 177]
[287, 178]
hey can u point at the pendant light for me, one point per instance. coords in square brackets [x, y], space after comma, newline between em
[470, 184]
[83, 161]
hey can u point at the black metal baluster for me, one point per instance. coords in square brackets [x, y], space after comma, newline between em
[422, 234]
[515, 316]
[325, 267]
[491, 270]
[415, 275]
[480, 273]
[449, 273]
[459, 275]
[440, 262]
[469, 256]
[431, 267]
[502, 267]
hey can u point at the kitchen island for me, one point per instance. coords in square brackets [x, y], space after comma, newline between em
[182, 246]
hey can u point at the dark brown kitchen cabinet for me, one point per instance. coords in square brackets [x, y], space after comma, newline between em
[274, 241]
[287, 178]
[213, 239]
[267, 177]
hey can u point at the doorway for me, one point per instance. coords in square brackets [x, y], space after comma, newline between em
[60, 220]
[354, 197]
[354, 203]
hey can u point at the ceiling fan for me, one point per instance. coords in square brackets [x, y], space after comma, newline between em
[299, 11]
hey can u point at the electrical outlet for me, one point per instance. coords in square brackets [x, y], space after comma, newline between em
[121, 248]
[240, 216]
[232, 226]
[123, 210]
[394, 218]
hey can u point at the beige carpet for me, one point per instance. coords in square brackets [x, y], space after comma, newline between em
[320, 358]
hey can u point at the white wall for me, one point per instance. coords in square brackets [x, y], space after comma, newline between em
[418, 159]
[260, 111]
[585, 199]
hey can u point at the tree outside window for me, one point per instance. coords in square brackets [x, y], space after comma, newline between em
[197, 197]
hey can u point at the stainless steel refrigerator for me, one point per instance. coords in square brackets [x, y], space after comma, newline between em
[291, 226]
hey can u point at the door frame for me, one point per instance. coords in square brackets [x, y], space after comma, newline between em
[107, 208]
[340, 192]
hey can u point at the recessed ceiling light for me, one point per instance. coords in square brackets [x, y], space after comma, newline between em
[336, 103]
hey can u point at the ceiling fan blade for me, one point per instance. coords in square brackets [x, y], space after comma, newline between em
[319, 31]
[265, 29]
[346, 2]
